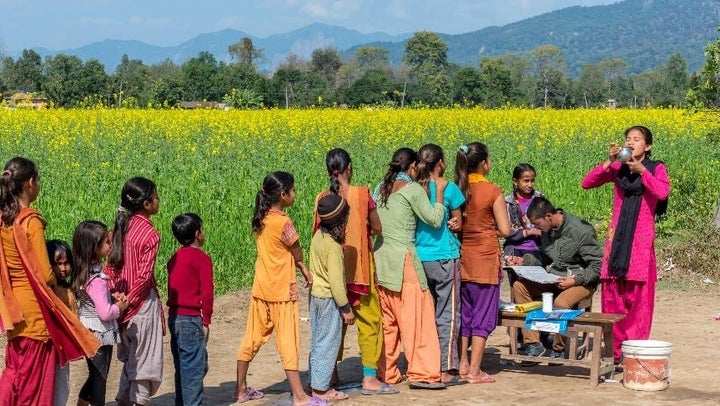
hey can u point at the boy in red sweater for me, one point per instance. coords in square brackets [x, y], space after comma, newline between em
[190, 307]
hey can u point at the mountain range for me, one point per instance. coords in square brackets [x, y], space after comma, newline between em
[644, 33]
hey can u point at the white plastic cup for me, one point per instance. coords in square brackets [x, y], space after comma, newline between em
[547, 301]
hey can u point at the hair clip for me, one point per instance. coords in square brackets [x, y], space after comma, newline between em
[262, 190]
[463, 148]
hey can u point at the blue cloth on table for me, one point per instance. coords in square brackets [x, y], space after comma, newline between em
[553, 322]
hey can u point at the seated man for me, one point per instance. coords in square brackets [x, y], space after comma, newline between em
[569, 249]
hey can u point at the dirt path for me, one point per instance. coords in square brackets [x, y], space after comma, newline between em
[683, 318]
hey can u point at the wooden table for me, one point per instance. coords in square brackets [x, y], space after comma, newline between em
[596, 328]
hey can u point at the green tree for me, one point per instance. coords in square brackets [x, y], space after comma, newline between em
[591, 86]
[93, 82]
[326, 61]
[426, 56]
[165, 84]
[130, 80]
[705, 89]
[27, 72]
[468, 87]
[200, 78]
[675, 81]
[63, 73]
[371, 88]
[369, 57]
[497, 82]
[245, 52]
[549, 69]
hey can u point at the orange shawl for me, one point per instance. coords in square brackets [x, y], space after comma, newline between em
[71, 339]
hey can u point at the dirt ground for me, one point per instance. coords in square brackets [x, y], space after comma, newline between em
[682, 317]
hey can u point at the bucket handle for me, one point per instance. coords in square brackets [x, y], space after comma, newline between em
[644, 366]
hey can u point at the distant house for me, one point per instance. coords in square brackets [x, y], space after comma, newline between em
[191, 105]
[24, 100]
[611, 104]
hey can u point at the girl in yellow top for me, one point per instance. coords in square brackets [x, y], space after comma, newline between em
[273, 305]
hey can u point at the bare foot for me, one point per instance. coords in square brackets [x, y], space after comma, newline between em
[330, 395]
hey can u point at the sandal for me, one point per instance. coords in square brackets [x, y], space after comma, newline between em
[250, 394]
[316, 401]
[332, 395]
[455, 381]
[427, 385]
[385, 389]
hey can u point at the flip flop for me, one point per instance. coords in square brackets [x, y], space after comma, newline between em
[333, 395]
[483, 379]
[427, 385]
[455, 381]
[250, 394]
[316, 401]
[385, 389]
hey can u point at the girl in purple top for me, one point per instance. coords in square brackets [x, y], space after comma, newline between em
[98, 313]
[524, 237]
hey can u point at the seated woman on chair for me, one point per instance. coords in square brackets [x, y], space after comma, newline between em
[569, 249]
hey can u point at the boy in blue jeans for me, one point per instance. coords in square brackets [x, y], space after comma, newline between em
[190, 307]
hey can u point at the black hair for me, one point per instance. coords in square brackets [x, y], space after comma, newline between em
[274, 184]
[518, 172]
[647, 135]
[337, 232]
[135, 192]
[86, 239]
[401, 161]
[428, 157]
[468, 158]
[540, 207]
[57, 248]
[17, 172]
[185, 226]
[336, 161]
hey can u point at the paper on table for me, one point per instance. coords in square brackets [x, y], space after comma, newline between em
[535, 273]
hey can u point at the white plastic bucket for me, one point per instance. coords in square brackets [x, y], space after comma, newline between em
[646, 365]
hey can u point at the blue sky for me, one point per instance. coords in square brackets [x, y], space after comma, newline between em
[67, 24]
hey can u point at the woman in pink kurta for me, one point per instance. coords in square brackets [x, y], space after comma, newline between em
[629, 271]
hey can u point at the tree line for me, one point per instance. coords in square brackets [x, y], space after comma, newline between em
[537, 78]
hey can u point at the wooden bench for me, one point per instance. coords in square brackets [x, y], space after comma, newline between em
[598, 338]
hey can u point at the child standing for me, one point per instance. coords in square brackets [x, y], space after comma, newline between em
[329, 306]
[363, 222]
[629, 270]
[190, 308]
[91, 244]
[274, 296]
[480, 267]
[61, 263]
[439, 251]
[131, 265]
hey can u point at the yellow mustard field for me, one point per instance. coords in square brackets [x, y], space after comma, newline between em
[212, 162]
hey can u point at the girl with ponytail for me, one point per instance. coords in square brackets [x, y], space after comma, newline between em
[131, 268]
[274, 296]
[485, 218]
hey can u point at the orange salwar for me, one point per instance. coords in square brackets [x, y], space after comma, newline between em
[409, 315]
[263, 318]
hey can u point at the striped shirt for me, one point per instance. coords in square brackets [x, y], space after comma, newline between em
[136, 278]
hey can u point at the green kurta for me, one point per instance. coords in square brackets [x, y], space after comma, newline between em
[399, 219]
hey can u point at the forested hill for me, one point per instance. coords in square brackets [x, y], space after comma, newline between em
[644, 33]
